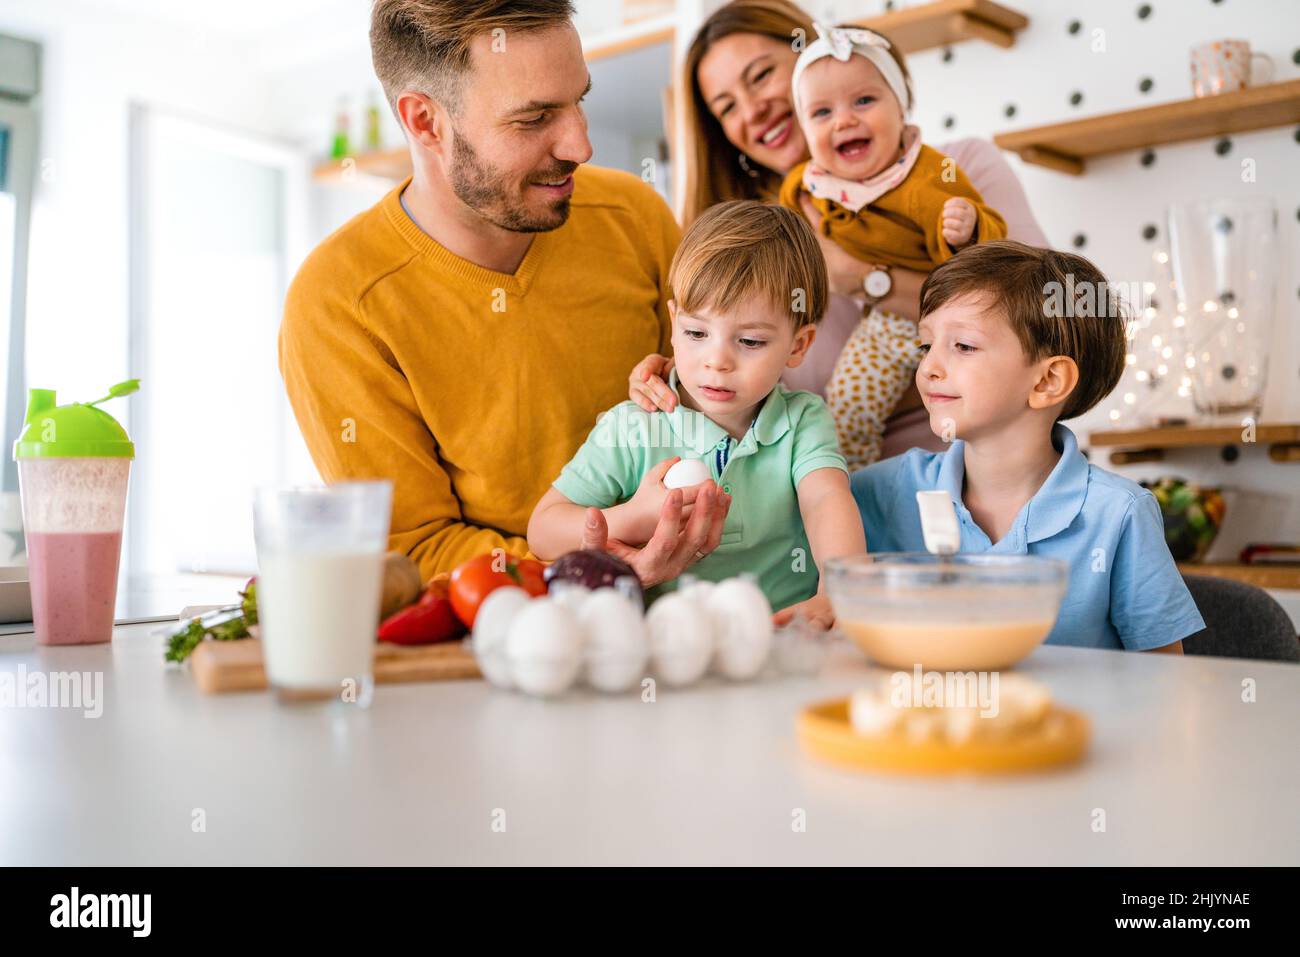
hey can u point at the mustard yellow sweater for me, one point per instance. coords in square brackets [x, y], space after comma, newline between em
[469, 388]
[904, 227]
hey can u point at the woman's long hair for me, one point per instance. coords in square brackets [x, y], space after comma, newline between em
[710, 168]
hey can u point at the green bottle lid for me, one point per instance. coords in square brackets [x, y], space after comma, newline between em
[76, 430]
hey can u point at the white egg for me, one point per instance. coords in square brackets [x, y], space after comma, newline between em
[544, 648]
[681, 639]
[616, 648]
[686, 473]
[491, 625]
[742, 628]
[696, 589]
[569, 594]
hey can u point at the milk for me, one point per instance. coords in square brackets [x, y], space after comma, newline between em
[318, 612]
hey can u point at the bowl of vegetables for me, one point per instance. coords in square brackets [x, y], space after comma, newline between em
[1192, 514]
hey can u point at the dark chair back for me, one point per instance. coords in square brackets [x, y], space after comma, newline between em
[1241, 621]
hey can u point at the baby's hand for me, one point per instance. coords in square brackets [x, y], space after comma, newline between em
[635, 520]
[958, 221]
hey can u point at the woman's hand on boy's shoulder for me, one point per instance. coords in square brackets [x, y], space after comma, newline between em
[648, 384]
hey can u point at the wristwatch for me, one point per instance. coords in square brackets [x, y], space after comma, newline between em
[877, 284]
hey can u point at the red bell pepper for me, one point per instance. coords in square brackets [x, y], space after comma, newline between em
[429, 620]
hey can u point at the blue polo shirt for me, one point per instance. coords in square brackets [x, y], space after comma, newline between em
[1124, 588]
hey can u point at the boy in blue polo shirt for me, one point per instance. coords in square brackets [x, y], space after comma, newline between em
[749, 286]
[1006, 358]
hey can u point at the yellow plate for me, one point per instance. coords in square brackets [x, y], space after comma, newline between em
[825, 732]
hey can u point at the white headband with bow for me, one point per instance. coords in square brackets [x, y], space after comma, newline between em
[841, 43]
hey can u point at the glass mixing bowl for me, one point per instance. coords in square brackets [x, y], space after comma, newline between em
[946, 613]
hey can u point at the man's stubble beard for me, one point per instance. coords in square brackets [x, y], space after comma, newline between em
[489, 192]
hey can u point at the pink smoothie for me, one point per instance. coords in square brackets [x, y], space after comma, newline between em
[74, 585]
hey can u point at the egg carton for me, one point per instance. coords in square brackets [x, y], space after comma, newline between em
[602, 639]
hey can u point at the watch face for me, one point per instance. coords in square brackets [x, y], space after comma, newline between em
[878, 283]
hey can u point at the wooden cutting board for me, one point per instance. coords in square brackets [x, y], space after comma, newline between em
[221, 666]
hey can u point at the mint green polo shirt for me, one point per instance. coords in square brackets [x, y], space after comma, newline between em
[793, 435]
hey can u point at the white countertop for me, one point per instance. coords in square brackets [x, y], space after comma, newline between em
[1185, 771]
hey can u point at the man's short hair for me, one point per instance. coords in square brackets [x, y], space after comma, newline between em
[1058, 304]
[424, 45]
[743, 247]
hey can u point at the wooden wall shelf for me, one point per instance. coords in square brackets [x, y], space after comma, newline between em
[1148, 445]
[945, 22]
[391, 165]
[645, 34]
[1261, 576]
[1065, 147]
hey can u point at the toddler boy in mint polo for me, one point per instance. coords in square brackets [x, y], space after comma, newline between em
[792, 435]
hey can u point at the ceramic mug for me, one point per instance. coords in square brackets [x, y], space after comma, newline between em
[1223, 66]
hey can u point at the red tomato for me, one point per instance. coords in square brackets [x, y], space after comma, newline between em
[479, 577]
[531, 574]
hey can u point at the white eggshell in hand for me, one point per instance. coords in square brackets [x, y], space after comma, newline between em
[742, 628]
[681, 639]
[616, 648]
[686, 473]
[491, 625]
[544, 648]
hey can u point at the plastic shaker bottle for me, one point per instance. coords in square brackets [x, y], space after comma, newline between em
[73, 463]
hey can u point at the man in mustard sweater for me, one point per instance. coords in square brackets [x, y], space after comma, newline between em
[460, 337]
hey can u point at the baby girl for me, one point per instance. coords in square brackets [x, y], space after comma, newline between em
[884, 197]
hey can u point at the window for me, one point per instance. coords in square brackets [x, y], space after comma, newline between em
[216, 222]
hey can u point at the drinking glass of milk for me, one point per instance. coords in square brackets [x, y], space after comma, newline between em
[320, 554]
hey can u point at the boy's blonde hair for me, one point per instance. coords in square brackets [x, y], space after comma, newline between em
[744, 248]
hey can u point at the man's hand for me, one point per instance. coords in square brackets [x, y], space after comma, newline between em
[958, 221]
[672, 548]
[647, 386]
[816, 610]
[635, 520]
